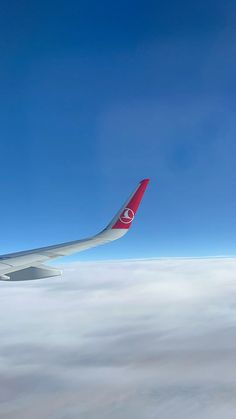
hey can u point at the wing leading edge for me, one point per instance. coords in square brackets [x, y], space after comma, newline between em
[118, 227]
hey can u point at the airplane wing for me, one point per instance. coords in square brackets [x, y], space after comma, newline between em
[29, 264]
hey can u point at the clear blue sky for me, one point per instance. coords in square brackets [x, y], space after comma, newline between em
[97, 95]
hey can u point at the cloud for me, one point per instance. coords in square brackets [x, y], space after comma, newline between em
[145, 338]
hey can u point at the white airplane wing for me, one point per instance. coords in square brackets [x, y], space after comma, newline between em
[28, 265]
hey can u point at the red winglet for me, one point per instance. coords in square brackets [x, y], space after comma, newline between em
[128, 212]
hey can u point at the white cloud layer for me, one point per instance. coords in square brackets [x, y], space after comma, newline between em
[124, 339]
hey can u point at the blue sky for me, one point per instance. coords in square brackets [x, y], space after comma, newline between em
[97, 95]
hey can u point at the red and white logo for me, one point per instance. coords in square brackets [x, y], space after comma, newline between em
[127, 216]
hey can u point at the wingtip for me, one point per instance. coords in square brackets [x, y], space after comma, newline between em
[124, 218]
[145, 180]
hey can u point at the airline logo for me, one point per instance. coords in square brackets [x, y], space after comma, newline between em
[127, 216]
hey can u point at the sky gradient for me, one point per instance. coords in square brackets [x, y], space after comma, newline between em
[96, 96]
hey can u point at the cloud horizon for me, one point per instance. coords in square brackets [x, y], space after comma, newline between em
[142, 338]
